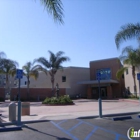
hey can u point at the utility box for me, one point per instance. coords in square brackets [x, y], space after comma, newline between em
[25, 108]
[12, 112]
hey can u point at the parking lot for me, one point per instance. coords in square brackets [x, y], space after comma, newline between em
[75, 129]
[75, 122]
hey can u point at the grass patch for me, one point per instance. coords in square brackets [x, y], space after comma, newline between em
[58, 101]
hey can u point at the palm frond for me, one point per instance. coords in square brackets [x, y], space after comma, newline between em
[55, 8]
[2, 55]
[61, 60]
[127, 49]
[120, 72]
[43, 61]
[128, 31]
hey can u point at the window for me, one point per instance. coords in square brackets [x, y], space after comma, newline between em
[63, 78]
[126, 71]
[25, 82]
[105, 73]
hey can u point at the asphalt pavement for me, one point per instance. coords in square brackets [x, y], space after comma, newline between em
[75, 129]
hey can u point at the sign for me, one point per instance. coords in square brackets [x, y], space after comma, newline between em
[138, 76]
[19, 74]
[132, 133]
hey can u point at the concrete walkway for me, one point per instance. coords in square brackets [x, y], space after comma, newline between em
[82, 108]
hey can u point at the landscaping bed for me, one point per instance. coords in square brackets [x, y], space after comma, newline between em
[63, 100]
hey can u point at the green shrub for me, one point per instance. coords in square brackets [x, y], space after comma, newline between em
[61, 100]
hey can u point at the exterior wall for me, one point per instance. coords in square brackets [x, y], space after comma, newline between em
[35, 94]
[76, 75]
[113, 90]
[73, 75]
[129, 82]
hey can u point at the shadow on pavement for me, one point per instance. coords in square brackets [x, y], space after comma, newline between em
[25, 126]
[109, 115]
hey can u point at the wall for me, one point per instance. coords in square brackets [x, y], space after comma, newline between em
[129, 82]
[78, 74]
[73, 76]
[35, 93]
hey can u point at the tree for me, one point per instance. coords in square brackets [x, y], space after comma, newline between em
[53, 64]
[128, 31]
[30, 70]
[8, 67]
[131, 58]
[54, 8]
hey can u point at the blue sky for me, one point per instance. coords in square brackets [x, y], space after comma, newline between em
[28, 32]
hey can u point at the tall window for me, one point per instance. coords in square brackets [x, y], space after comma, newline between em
[63, 78]
[105, 73]
[126, 71]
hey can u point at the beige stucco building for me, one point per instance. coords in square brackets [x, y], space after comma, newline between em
[129, 82]
[66, 78]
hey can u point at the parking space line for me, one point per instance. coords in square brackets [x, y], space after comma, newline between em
[117, 135]
[61, 122]
[63, 130]
[106, 130]
[91, 133]
[75, 126]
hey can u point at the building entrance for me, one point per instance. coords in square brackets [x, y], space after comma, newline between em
[103, 92]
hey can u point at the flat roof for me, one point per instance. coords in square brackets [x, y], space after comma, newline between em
[104, 59]
[96, 82]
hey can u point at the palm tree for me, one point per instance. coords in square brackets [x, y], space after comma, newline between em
[30, 70]
[8, 68]
[131, 58]
[128, 31]
[54, 8]
[53, 64]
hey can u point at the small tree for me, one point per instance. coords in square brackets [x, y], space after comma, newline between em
[131, 58]
[30, 70]
[8, 68]
[53, 64]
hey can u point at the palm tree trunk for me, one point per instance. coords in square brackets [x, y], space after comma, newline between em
[134, 78]
[28, 83]
[52, 81]
[7, 84]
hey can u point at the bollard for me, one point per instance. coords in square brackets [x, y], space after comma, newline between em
[12, 112]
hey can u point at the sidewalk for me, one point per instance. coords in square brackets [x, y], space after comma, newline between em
[82, 108]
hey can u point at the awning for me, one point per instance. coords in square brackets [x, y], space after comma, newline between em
[96, 82]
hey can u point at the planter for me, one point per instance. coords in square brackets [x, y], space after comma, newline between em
[25, 108]
[59, 104]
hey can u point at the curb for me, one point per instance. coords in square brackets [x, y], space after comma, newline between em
[84, 117]
[129, 100]
[15, 128]
[109, 115]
